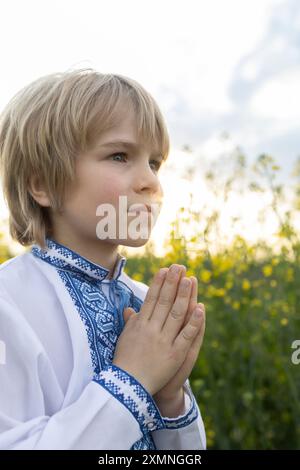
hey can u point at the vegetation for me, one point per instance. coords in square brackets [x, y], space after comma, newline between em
[244, 380]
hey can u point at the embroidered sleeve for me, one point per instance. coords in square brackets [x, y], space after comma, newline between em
[190, 415]
[125, 388]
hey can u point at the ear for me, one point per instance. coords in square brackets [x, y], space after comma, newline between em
[38, 192]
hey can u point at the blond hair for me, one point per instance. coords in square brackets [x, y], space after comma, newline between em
[48, 123]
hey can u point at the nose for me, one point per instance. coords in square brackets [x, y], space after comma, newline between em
[146, 179]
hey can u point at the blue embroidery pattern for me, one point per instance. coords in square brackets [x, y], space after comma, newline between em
[186, 419]
[135, 398]
[100, 302]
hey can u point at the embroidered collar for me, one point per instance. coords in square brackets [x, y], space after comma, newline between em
[66, 259]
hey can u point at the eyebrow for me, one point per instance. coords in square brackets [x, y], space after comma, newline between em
[127, 144]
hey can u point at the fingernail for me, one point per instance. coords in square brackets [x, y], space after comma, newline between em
[175, 269]
[185, 283]
[198, 313]
[162, 272]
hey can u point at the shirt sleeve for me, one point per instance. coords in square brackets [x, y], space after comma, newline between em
[112, 412]
[185, 432]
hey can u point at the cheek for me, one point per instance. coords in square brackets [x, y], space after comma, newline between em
[102, 189]
[111, 189]
[96, 186]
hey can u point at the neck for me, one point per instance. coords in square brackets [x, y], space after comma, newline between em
[97, 251]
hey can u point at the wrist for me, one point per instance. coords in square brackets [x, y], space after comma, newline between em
[171, 406]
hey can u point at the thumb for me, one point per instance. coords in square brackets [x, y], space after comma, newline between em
[128, 312]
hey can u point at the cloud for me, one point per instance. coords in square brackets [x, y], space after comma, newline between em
[213, 66]
[279, 99]
[265, 87]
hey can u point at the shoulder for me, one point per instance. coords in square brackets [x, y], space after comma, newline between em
[14, 267]
[17, 285]
[18, 275]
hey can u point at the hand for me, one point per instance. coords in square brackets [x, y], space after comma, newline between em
[172, 389]
[153, 345]
[172, 392]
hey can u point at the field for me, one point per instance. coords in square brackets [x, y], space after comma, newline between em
[245, 382]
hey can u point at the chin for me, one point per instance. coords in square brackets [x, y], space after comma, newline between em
[134, 243]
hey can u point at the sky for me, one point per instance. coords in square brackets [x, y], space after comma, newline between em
[213, 66]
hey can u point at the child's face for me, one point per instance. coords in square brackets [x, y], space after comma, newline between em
[102, 177]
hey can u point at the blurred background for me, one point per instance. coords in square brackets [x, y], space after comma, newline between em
[226, 76]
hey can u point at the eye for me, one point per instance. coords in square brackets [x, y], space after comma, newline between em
[117, 155]
[156, 163]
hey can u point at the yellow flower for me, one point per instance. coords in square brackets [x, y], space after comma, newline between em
[210, 291]
[246, 284]
[273, 283]
[220, 292]
[223, 265]
[215, 344]
[241, 268]
[236, 305]
[205, 276]
[267, 270]
[285, 308]
[256, 303]
[284, 321]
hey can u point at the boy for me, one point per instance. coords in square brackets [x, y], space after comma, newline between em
[94, 359]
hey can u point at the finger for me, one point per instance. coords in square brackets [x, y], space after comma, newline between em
[183, 271]
[187, 335]
[198, 341]
[153, 293]
[128, 312]
[181, 276]
[167, 296]
[193, 353]
[193, 299]
[194, 293]
[176, 317]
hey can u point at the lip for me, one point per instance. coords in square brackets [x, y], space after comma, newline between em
[140, 208]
